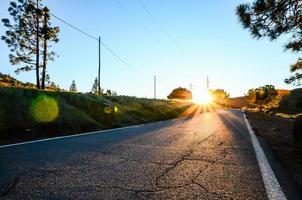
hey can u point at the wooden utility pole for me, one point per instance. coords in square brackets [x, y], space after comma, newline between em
[46, 18]
[208, 83]
[154, 87]
[37, 46]
[99, 71]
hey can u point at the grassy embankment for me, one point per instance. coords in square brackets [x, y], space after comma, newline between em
[275, 124]
[29, 113]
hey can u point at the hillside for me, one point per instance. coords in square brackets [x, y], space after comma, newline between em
[239, 102]
[7, 80]
[287, 103]
[31, 113]
[291, 103]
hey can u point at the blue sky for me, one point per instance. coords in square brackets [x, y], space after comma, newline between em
[200, 38]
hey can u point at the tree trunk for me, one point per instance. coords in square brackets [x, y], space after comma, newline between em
[44, 51]
[37, 46]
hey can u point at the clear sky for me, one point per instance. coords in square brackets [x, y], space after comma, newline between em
[191, 40]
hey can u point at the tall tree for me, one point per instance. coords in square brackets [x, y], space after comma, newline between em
[273, 18]
[50, 34]
[73, 87]
[37, 17]
[25, 34]
[21, 36]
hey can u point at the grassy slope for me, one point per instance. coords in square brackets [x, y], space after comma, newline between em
[77, 113]
[238, 102]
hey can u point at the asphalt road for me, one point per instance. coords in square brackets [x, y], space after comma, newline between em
[206, 157]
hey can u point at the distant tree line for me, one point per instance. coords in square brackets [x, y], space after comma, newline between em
[94, 89]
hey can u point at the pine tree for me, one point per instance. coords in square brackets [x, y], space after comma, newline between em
[50, 34]
[73, 87]
[26, 34]
[273, 18]
[95, 87]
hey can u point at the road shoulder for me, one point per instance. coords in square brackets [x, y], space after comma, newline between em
[275, 137]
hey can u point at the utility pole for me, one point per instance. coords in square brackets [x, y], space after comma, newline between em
[154, 87]
[208, 83]
[191, 87]
[99, 72]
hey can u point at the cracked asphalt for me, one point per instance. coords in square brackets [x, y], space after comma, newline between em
[209, 156]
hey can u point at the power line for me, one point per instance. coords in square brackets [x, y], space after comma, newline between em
[143, 26]
[160, 25]
[138, 21]
[98, 40]
[119, 58]
[65, 22]
[104, 45]
[172, 38]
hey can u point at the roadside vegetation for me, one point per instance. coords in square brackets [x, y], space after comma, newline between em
[29, 113]
[274, 114]
[283, 103]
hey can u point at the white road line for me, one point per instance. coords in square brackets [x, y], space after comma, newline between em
[89, 133]
[78, 135]
[69, 136]
[272, 186]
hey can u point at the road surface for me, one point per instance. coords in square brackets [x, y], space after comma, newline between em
[206, 157]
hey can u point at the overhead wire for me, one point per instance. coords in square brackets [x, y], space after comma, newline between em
[113, 53]
[172, 38]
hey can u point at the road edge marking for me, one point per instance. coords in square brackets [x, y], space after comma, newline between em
[80, 134]
[272, 186]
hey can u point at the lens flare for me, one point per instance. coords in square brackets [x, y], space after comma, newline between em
[115, 109]
[110, 109]
[44, 109]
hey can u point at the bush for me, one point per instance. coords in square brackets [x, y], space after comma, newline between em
[180, 93]
[262, 94]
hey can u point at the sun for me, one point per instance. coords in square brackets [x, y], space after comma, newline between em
[202, 98]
